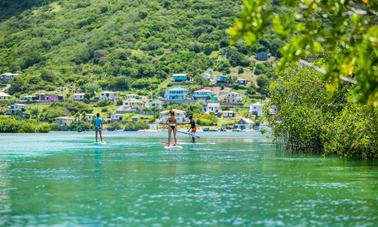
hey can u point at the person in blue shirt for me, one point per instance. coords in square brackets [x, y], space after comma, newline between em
[98, 126]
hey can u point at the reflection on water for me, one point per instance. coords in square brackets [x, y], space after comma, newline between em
[225, 179]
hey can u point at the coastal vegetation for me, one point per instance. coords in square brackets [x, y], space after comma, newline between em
[13, 125]
[326, 97]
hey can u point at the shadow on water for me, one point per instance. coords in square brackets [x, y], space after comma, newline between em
[10, 8]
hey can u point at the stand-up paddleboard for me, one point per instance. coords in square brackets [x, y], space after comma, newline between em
[101, 142]
[173, 147]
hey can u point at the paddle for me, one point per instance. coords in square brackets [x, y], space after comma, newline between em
[187, 133]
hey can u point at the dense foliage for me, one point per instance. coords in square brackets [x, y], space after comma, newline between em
[309, 119]
[13, 125]
[345, 33]
[329, 106]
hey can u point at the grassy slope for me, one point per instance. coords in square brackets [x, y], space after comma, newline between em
[76, 39]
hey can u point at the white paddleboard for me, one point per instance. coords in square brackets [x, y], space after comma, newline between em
[101, 143]
[172, 147]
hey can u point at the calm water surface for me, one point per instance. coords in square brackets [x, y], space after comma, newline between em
[226, 179]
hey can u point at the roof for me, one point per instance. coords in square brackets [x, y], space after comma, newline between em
[241, 79]
[79, 94]
[256, 104]
[9, 74]
[228, 111]
[246, 120]
[2, 94]
[177, 88]
[203, 90]
[174, 110]
[180, 74]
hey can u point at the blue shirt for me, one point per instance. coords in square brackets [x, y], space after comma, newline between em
[97, 122]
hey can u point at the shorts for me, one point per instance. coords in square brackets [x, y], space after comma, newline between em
[193, 132]
[98, 128]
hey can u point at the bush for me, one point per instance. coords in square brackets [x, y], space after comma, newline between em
[136, 126]
[13, 125]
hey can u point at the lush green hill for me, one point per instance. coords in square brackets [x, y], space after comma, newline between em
[124, 44]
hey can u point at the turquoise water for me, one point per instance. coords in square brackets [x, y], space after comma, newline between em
[226, 179]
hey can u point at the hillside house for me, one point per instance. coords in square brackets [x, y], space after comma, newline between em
[206, 76]
[109, 96]
[256, 109]
[79, 96]
[179, 78]
[228, 114]
[29, 98]
[242, 81]
[16, 108]
[64, 121]
[4, 96]
[133, 104]
[5, 77]
[179, 115]
[262, 56]
[154, 104]
[116, 117]
[213, 106]
[232, 98]
[222, 79]
[47, 98]
[202, 94]
[244, 124]
[176, 94]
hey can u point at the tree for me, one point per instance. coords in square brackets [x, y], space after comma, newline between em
[263, 83]
[343, 33]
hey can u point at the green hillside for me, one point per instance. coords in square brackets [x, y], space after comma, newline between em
[120, 45]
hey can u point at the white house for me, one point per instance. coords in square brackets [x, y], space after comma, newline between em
[79, 96]
[232, 98]
[64, 121]
[4, 96]
[179, 115]
[256, 109]
[213, 106]
[130, 105]
[109, 96]
[202, 94]
[133, 104]
[155, 104]
[116, 117]
[16, 108]
[244, 124]
[8, 76]
[176, 94]
[228, 114]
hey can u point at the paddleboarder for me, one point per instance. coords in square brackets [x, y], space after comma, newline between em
[98, 124]
[192, 128]
[172, 127]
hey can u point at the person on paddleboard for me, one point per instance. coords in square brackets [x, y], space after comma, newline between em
[172, 127]
[192, 128]
[98, 124]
